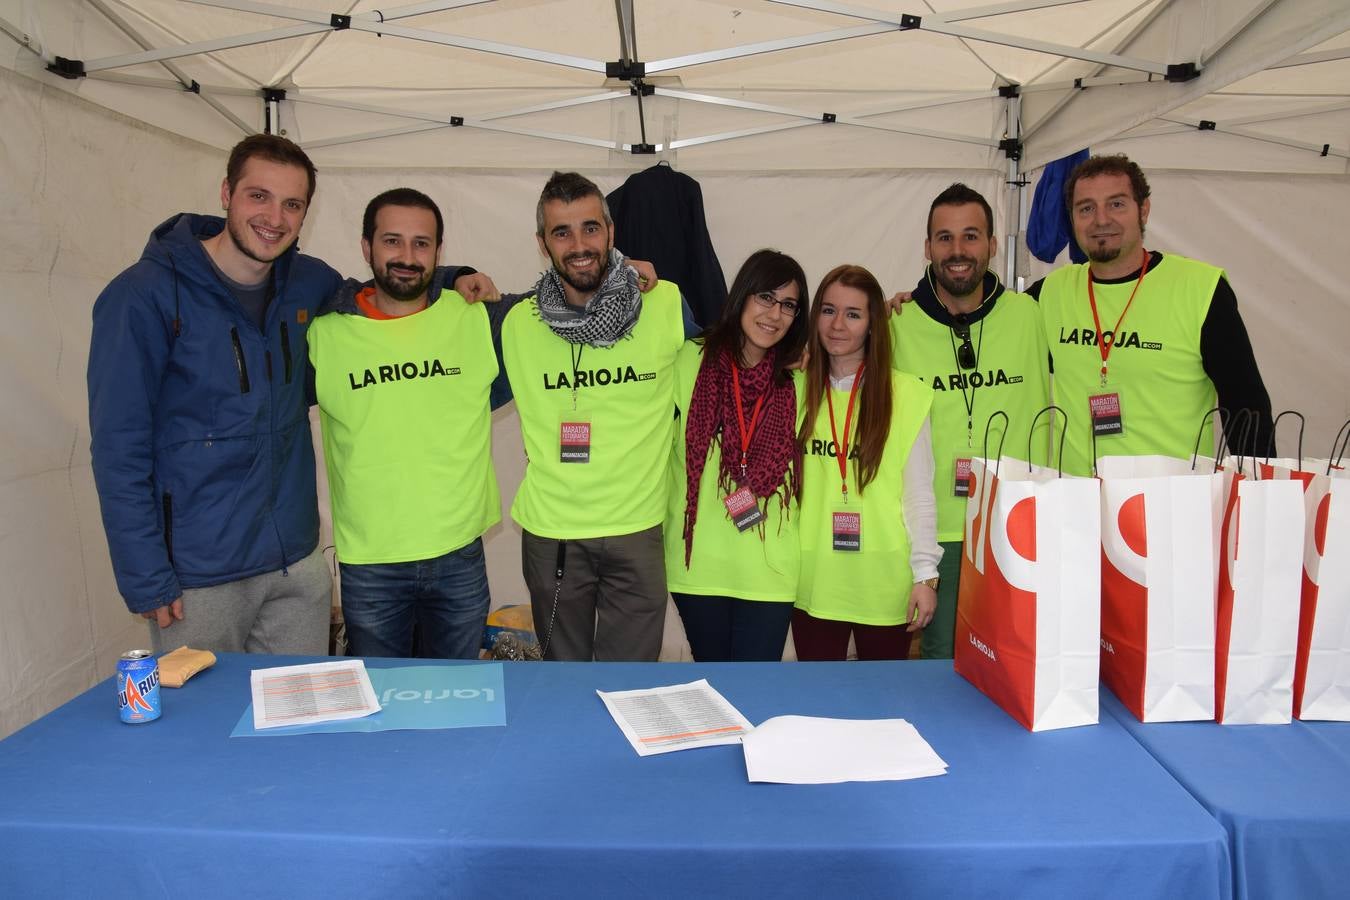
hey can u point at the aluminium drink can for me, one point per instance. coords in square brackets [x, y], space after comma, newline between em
[138, 687]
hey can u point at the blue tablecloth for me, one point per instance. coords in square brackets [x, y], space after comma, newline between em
[557, 804]
[1281, 791]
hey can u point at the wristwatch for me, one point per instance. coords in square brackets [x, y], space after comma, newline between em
[931, 582]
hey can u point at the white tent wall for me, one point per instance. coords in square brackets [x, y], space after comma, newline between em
[82, 189]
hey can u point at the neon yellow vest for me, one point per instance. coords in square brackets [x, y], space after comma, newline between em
[407, 430]
[725, 562]
[870, 586]
[1011, 376]
[1155, 363]
[626, 391]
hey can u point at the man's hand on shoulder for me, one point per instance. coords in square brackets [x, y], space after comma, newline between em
[895, 305]
[646, 273]
[165, 616]
[477, 287]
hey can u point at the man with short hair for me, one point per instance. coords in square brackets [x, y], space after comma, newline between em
[982, 350]
[403, 369]
[200, 432]
[1144, 344]
[590, 360]
[200, 445]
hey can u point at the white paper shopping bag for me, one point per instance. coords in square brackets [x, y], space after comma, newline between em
[1160, 546]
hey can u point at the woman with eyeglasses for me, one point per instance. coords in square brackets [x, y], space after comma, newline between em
[868, 513]
[731, 528]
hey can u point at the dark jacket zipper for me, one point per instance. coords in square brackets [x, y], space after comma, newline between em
[286, 351]
[239, 361]
[168, 525]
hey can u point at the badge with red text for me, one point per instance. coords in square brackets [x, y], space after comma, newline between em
[743, 509]
[574, 440]
[961, 477]
[1105, 412]
[846, 526]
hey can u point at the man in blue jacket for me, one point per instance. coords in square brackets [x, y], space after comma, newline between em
[197, 406]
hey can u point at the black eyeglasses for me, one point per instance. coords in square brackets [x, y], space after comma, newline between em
[965, 353]
[767, 300]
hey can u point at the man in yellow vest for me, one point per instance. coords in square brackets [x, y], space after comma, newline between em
[403, 367]
[1143, 343]
[982, 349]
[590, 363]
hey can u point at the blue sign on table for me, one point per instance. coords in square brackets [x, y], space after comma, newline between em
[414, 698]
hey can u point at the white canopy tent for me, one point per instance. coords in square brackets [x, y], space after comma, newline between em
[820, 128]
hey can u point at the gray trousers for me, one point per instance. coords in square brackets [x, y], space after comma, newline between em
[611, 603]
[287, 611]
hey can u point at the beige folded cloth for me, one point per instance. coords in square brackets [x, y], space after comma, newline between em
[177, 667]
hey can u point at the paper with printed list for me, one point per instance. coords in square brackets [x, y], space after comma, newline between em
[809, 750]
[312, 693]
[677, 717]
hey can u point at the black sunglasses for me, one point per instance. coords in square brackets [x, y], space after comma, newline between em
[965, 353]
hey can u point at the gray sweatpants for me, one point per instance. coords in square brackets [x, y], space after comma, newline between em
[287, 611]
[611, 605]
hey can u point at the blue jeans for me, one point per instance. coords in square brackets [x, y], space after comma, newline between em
[729, 629]
[447, 597]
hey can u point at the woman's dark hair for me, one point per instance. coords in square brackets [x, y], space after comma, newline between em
[765, 270]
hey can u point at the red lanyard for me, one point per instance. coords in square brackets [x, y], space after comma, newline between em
[841, 450]
[1096, 319]
[746, 433]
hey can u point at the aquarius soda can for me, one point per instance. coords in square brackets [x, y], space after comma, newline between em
[138, 687]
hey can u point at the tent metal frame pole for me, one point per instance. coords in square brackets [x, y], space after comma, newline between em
[173, 84]
[22, 38]
[623, 11]
[744, 50]
[1319, 149]
[1016, 188]
[1235, 31]
[734, 135]
[161, 54]
[184, 80]
[302, 98]
[451, 40]
[314, 23]
[1059, 105]
[1314, 56]
[956, 15]
[819, 118]
[940, 24]
[309, 15]
[1290, 114]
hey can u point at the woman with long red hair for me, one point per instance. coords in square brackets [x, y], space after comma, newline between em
[868, 514]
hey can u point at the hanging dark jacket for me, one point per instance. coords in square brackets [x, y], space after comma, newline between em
[658, 216]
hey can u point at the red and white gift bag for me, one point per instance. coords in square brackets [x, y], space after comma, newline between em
[1321, 686]
[1027, 619]
[1160, 526]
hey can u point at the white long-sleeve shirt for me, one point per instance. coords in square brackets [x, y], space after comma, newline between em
[918, 501]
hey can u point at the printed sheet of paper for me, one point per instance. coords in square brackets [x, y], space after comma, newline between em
[417, 698]
[809, 750]
[314, 692]
[678, 717]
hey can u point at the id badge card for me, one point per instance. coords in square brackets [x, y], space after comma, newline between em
[743, 509]
[1105, 411]
[574, 437]
[846, 528]
[961, 477]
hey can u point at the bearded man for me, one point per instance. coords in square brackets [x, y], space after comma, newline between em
[982, 350]
[591, 363]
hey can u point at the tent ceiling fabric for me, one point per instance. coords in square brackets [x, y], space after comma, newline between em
[738, 86]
